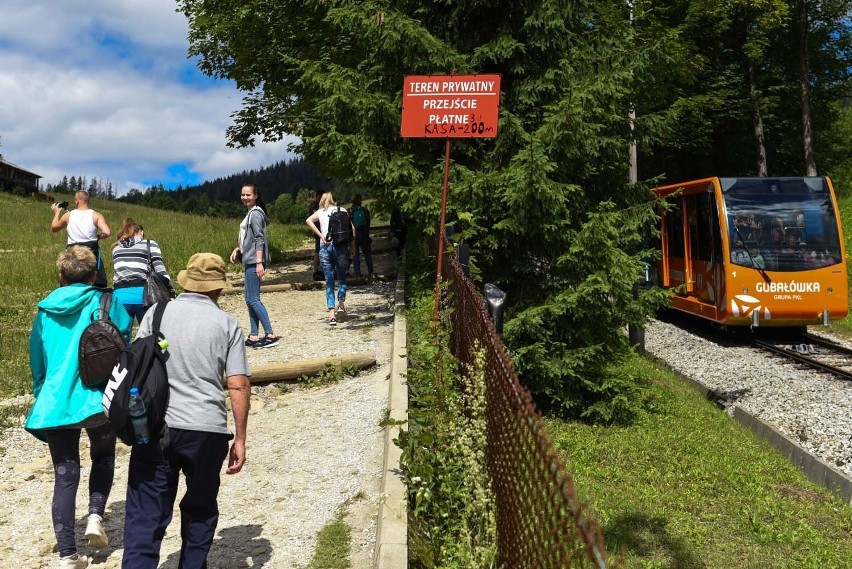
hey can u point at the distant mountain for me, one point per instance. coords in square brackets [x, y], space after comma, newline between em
[280, 178]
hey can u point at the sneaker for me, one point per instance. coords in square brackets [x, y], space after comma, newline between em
[332, 321]
[267, 342]
[95, 532]
[74, 562]
[341, 310]
[251, 343]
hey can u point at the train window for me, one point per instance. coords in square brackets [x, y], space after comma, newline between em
[700, 235]
[674, 231]
[787, 224]
[702, 218]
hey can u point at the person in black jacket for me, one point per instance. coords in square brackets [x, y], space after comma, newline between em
[361, 220]
[399, 230]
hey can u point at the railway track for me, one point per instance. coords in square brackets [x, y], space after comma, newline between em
[812, 351]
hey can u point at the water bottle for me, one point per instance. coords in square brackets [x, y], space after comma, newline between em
[139, 416]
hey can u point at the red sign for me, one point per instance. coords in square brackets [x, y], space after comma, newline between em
[450, 106]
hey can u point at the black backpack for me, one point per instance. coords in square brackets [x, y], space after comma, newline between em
[339, 227]
[100, 345]
[142, 364]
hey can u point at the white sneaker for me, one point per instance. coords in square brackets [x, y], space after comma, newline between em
[74, 562]
[95, 532]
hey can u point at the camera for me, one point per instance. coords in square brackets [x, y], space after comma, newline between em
[63, 205]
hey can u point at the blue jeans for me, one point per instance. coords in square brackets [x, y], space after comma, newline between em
[131, 298]
[334, 262]
[256, 309]
[152, 490]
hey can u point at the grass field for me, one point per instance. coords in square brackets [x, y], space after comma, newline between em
[686, 487]
[28, 253]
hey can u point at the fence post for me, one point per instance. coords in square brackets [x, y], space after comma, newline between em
[495, 298]
[463, 254]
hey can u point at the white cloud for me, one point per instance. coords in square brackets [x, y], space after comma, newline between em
[73, 106]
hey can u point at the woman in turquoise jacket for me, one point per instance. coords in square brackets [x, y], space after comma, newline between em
[64, 406]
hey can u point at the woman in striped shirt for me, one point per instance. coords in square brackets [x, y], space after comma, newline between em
[130, 264]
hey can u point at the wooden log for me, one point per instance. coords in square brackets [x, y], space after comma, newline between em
[294, 370]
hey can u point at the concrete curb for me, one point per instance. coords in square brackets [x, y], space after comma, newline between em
[817, 470]
[392, 530]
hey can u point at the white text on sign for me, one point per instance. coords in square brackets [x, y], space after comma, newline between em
[452, 87]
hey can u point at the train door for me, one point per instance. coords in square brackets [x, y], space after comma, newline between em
[705, 262]
[674, 250]
[692, 248]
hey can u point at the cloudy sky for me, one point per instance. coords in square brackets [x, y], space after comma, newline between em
[103, 88]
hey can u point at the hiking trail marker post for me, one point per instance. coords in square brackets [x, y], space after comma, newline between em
[449, 106]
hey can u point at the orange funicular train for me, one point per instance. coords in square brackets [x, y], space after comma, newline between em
[754, 251]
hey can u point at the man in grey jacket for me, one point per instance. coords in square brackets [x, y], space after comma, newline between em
[205, 345]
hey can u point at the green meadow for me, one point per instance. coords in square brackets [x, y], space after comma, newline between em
[28, 251]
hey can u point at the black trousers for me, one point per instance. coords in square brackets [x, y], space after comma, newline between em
[100, 277]
[152, 489]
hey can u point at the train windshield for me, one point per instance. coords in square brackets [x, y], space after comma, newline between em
[781, 224]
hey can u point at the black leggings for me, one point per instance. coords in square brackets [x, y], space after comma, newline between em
[64, 447]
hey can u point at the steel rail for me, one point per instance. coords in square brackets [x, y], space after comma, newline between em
[811, 362]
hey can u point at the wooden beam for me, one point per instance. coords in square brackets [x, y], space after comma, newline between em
[294, 370]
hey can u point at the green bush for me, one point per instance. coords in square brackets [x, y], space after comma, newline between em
[451, 509]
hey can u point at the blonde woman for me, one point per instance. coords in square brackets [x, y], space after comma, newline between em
[334, 258]
[64, 406]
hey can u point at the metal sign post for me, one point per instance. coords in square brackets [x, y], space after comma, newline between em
[449, 106]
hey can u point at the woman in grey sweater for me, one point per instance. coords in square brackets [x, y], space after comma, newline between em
[253, 250]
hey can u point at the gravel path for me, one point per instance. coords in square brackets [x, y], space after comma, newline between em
[310, 450]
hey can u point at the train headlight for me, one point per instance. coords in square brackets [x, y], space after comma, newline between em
[830, 290]
[745, 290]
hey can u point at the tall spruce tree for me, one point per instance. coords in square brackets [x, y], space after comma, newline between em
[546, 206]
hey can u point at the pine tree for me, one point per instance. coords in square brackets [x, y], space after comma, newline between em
[545, 206]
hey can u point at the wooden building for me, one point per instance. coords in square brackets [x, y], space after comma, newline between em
[12, 176]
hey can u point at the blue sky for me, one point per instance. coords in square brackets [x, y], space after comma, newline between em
[103, 88]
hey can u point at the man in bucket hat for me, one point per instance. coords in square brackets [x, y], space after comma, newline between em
[205, 345]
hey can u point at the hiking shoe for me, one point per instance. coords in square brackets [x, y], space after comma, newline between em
[267, 342]
[74, 562]
[95, 532]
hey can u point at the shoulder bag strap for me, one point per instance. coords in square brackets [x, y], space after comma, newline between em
[150, 260]
[159, 308]
[106, 300]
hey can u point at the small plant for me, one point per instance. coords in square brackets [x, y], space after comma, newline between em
[328, 375]
[333, 544]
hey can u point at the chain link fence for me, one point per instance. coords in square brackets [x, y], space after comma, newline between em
[540, 522]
